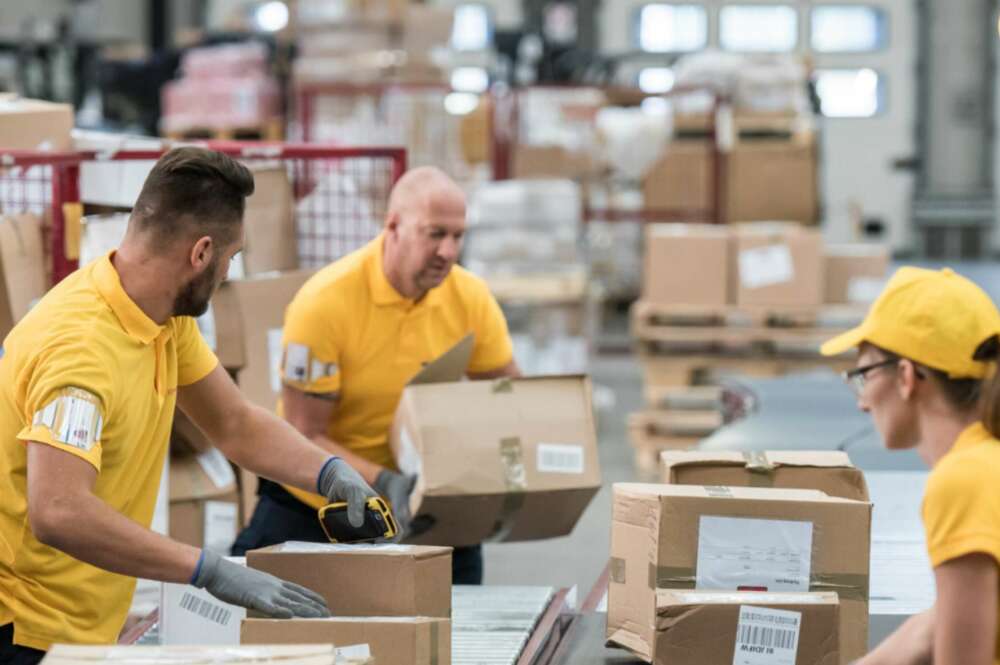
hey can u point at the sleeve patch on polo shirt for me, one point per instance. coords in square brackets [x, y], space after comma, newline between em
[73, 418]
[301, 366]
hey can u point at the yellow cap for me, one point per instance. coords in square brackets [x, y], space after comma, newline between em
[934, 317]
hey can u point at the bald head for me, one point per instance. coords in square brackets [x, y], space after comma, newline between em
[424, 228]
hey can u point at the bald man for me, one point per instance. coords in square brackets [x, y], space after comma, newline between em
[355, 335]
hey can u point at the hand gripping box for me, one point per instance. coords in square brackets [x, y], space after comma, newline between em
[682, 537]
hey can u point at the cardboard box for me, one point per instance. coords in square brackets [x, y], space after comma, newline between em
[855, 274]
[778, 265]
[392, 640]
[723, 628]
[426, 28]
[22, 268]
[204, 504]
[315, 654]
[527, 466]
[270, 242]
[685, 536]
[32, 124]
[366, 580]
[249, 316]
[549, 161]
[192, 616]
[186, 438]
[687, 264]
[766, 180]
[830, 472]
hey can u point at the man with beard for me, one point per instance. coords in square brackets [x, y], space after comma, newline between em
[359, 330]
[88, 384]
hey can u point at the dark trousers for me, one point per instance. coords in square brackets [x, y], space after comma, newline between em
[11, 654]
[274, 521]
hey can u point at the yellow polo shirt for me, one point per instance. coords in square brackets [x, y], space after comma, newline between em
[86, 371]
[961, 508]
[348, 331]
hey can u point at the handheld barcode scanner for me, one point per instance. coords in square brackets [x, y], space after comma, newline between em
[379, 522]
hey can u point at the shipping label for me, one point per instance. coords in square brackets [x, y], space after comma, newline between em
[745, 554]
[766, 266]
[560, 458]
[766, 636]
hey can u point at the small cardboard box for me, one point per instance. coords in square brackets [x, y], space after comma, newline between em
[855, 273]
[778, 265]
[192, 616]
[270, 241]
[249, 316]
[22, 268]
[392, 640]
[687, 264]
[743, 628]
[688, 536]
[204, 503]
[32, 124]
[830, 472]
[366, 580]
[495, 460]
[773, 180]
[302, 654]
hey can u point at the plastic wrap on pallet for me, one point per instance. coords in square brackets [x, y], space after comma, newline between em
[218, 103]
[761, 83]
[533, 203]
[226, 61]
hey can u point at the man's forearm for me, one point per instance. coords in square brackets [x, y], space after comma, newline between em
[369, 470]
[910, 644]
[90, 530]
[270, 447]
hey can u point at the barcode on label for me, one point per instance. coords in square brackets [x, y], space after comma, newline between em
[767, 637]
[206, 610]
[560, 458]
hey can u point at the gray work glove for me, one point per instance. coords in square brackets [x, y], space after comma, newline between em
[338, 481]
[396, 488]
[256, 590]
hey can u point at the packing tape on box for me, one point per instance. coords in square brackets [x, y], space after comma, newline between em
[503, 385]
[516, 480]
[845, 585]
[617, 570]
[761, 469]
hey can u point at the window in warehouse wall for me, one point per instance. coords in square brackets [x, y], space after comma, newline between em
[848, 29]
[663, 28]
[655, 80]
[850, 93]
[472, 29]
[758, 28]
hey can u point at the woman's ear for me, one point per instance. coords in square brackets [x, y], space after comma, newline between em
[907, 377]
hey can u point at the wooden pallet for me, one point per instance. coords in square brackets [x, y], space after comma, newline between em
[646, 448]
[746, 125]
[272, 130]
[664, 371]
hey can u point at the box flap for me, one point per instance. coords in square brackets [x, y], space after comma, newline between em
[673, 598]
[393, 550]
[449, 367]
[773, 458]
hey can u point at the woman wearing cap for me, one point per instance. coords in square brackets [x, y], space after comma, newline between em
[926, 372]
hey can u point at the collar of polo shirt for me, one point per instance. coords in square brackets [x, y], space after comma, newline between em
[135, 322]
[384, 293]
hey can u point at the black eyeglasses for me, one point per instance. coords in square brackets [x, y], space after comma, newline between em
[856, 377]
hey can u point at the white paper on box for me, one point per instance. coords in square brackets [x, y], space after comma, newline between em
[189, 615]
[864, 290]
[216, 467]
[766, 266]
[746, 554]
[409, 459]
[274, 352]
[560, 458]
[765, 636]
[302, 547]
[220, 526]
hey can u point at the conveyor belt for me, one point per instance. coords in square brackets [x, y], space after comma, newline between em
[492, 625]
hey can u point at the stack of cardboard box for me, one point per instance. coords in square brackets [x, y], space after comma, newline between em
[751, 298]
[394, 598]
[762, 554]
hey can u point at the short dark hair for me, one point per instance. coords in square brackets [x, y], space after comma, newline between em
[193, 190]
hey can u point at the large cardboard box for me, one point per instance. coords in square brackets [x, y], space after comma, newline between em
[22, 268]
[746, 628]
[249, 316]
[830, 472]
[680, 180]
[204, 503]
[855, 273]
[496, 461]
[426, 28]
[687, 264]
[312, 654]
[365, 580]
[269, 222]
[778, 265]
[392, 640]
[32, 124]
[735, 539]
[192, 616]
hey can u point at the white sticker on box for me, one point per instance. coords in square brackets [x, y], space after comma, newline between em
[766, 637]
[206, 609]
[560, 458]
[274, 353]
[216, 467]
[864, 290]
[766, 266]
[744, 554]
[409, 459]
[220, 526]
